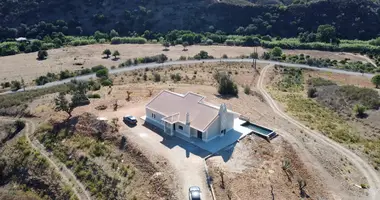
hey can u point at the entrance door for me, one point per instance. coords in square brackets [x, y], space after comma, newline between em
[199, 135]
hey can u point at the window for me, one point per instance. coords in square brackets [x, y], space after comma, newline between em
[153, 115]
[180, 127]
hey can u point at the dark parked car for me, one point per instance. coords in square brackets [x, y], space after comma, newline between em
[194, 193]
[130, 120]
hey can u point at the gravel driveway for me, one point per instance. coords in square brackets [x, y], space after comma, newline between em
[185, 158]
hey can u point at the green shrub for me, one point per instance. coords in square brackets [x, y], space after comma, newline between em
[247, 90]
[103, 73]
[316, 82]
[106, 82]
[359, 110]
[42, 54]
[97, 68]
[364, 96]
[9, 48]
[128, 40]
[226, 85]
[202, 55]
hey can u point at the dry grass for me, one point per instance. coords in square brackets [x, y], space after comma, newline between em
[75, 58]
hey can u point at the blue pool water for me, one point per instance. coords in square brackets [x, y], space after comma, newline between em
[258, 129]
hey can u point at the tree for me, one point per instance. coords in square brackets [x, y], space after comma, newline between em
[226, 84]
[116, 53]
[276, 52]
[376, 80]
[107, 52]
[166, 45]
[62, 104]
[326, 33]
[114, 33]
[185, 44]
[42, 54]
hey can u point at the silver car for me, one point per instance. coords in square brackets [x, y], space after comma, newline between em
[194, 193]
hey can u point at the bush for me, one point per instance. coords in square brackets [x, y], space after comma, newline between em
[128, 40]
[254, 55]
[106, 82]
[94, 85]
[182, 58]
[376, 80]
[202, 55]
[247, 90]
[9, 48]
[81, 42]
[311, 92]
[176, 77]
[103, 73]
[156, 77]
[97, 68]
[359, 110]
[42, 54]
[94, 96]
[315, 82]
[226, 85]
[15, 85]
[224, 56]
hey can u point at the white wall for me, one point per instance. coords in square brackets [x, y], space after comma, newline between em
[185, 131]
[213, 130]
[156, 120]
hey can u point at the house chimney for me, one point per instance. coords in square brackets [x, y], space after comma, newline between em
[187, 118]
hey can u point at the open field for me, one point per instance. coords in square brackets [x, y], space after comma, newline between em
[250, 168]
[26, 66]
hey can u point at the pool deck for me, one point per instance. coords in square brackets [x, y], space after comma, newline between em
[221, 142]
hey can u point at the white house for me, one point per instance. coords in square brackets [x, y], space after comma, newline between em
[189, 115]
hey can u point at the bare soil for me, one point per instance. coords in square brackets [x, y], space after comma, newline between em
[265, 176]
[26, 66]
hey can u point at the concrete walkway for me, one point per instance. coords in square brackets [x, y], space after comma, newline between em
[219, 143]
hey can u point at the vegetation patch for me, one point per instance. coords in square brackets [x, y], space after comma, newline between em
[318, 81]
[22, 165]
[292, 80]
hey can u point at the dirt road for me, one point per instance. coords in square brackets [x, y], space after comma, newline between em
[367, 171]
[65, 173]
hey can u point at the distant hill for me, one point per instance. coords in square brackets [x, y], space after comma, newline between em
[285, 18]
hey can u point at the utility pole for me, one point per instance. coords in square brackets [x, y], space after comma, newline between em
[253, 58]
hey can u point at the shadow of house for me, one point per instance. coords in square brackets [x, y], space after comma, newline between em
[173, 141]
[189, 144]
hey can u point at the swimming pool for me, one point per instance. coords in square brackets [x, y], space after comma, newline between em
[262, 131]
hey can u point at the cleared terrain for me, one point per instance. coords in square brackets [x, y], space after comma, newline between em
[27, 66]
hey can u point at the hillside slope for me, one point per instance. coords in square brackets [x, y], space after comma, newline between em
[354, 19]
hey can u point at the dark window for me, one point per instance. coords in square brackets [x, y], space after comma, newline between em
[180, 127]
[153, 115]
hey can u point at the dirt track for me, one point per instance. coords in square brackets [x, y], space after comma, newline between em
[369, 173]
[65, 173]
